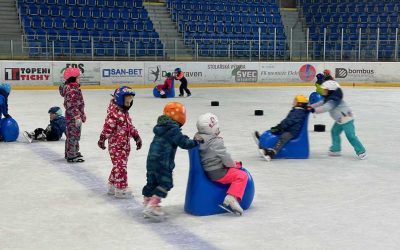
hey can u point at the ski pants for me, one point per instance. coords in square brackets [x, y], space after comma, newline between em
[73, 135]
[350, 132]
[159, 181]
[184, 86]
[238, 180]
[119, 174]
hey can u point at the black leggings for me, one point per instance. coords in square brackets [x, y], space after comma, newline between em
[183, 86]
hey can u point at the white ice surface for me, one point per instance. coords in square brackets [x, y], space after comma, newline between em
[318, 203]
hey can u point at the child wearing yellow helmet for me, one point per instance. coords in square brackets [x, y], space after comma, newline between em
[288, 128]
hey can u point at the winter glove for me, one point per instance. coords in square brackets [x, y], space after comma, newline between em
[102, 143]
[311, 109]
[238, 164]
[198, 139]
[276, 130]
[83, 118]
[7, 116]
[78, 122]
[138, 141]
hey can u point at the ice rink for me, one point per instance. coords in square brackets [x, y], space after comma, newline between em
[318, 203]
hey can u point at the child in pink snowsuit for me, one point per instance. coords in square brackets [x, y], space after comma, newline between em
[74, 113]
[118, 130]
[218, 164]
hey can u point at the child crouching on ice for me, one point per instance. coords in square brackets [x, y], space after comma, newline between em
[343, 116]
[118, 130]
[160, 160]
[288, 128]
[217, 162]
[165, 88]
[53, 131]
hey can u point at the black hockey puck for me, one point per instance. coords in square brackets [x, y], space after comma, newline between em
[319, 128]
[258, 112]
[215, 103]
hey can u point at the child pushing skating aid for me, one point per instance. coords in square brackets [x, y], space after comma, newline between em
[160, 160]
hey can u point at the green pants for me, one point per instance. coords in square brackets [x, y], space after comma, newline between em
[350, 132]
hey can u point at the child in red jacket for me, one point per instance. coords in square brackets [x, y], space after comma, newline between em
[74, 113]
[166, 87]
[118, 130]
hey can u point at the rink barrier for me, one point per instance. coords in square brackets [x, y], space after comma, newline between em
[210, 85]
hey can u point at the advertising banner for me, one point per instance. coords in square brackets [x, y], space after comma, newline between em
[26, 73]
[287, 72]
[122, 73]
[90, 72]
[151, 73]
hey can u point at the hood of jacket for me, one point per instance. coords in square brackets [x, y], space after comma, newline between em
[164, 124]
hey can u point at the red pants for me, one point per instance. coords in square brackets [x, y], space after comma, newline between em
[238, 180]
[119, 175]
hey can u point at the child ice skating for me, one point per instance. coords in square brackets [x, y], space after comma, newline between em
[218, 164]
[180, 75]
[5, 90]
[118, 130]
[288, 128]
[53, 132]
[165, 88]
[160, 160]
[342, 114]
[74, 113]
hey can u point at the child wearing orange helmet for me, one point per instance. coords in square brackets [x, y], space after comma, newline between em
[160, 160]
[288, 128]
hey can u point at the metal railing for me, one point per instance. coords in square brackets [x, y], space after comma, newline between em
[261, 49]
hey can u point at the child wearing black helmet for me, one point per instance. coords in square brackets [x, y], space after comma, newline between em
[180, 75]
[53, 132]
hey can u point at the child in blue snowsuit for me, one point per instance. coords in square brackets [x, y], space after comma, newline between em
[5, 90]
[160, 160]
[288, 128]
[53, 131]
[342, 114]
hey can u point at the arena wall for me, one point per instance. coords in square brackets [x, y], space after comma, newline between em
[103, 74]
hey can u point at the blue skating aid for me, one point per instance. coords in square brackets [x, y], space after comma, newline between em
[9, 129]
[314, 98]
[170, 94]
[297, 148]
[203, 196]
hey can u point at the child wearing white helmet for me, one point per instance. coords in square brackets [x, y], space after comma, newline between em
[217, 162]
[343, 116]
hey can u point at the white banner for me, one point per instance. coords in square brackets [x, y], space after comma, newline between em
[151, 73]
[122, 73]
[90, 72]
[26, 73]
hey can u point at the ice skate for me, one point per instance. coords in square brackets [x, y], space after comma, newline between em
[125, 193]
[268, 153]
[180, 95]
[146, 201]
[334, 153]
[111, 189]
[256, 137]
[153, 209]
[76, 159]
[362, 156]
[232, 205]
[189, 95]
[28, 136]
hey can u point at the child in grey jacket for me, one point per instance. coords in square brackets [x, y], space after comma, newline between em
[343, 116]
[217, 162]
